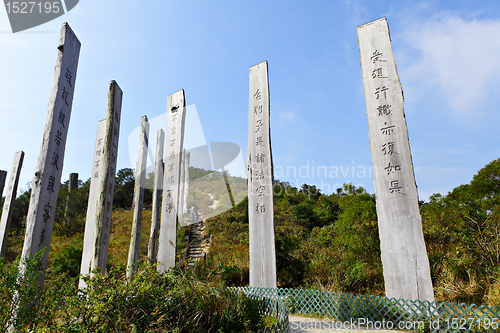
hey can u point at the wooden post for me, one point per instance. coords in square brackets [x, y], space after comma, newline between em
[72, 184]
[140, 183]
[176, 114]
[404, 257]
[224, 173]
[8, 204]
[157, 189]
[185, 193]
[3, 176]
[73, 181]
[104, 205]
[45, 186]
[181, 188]
[88, 238]
[260, 182]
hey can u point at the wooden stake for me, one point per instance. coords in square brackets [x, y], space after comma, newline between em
[140, 183]
[45, 186]
[260, 182]
[104, 205]
[8, 204]
[176, 114]
[157, 191]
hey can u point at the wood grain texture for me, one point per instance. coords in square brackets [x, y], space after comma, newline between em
[47, 178]
[260, 182]
[10, 198]
[404, 256]
[176, 115]
[140, 184]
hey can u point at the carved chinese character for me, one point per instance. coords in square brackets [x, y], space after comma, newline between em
[96, 174]
[377, 74]
[259, 141]
[58, 138]
[61, 118]
[171, 155]
[395, 186]
[169, 193]
[259, 174]
[173, 130]
[260, 208]
[171, 180]
[381, 89]
[258, 125]
[174, 117]
[260, 190]
[64, 95]
[169, 207]
[50, 186]
[259, 158]
[171, 167]
[172, 142]
[257, 94]
[384, 110]
[42, 237]
[392, 168]
[388, 129]
[388, 148]
[68, 76]
[46, 214]
[257, 109]
[376, 57]
[55, 160]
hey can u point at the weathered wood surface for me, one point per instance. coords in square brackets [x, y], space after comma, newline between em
[47, 178]
[157, 191]
[72, 185]
[73, 181]
[260, 182]
[140, 184]
[104, 205]
[176, 114]
[88, 238]
[185, 192]
[404, 256]
[8, 204]
[3, 177]
[181, 188]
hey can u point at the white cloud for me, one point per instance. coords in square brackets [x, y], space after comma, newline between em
[459, 57]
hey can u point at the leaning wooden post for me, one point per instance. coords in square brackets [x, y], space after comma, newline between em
[180, 211]
[260, 182]
[88, 238]
[185, 192]
[176, 114]
[404, 257]
[104, 204]
[3, 176]
[45, 186]
[228, 188]
[157, 189]
[140, 183]
[8, 204]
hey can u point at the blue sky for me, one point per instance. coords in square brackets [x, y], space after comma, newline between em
[446, 51]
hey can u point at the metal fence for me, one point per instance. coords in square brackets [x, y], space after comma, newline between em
[377, 312]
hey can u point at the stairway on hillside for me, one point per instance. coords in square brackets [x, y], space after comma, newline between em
[198, 244]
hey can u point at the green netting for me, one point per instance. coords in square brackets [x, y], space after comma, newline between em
[397, 313]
